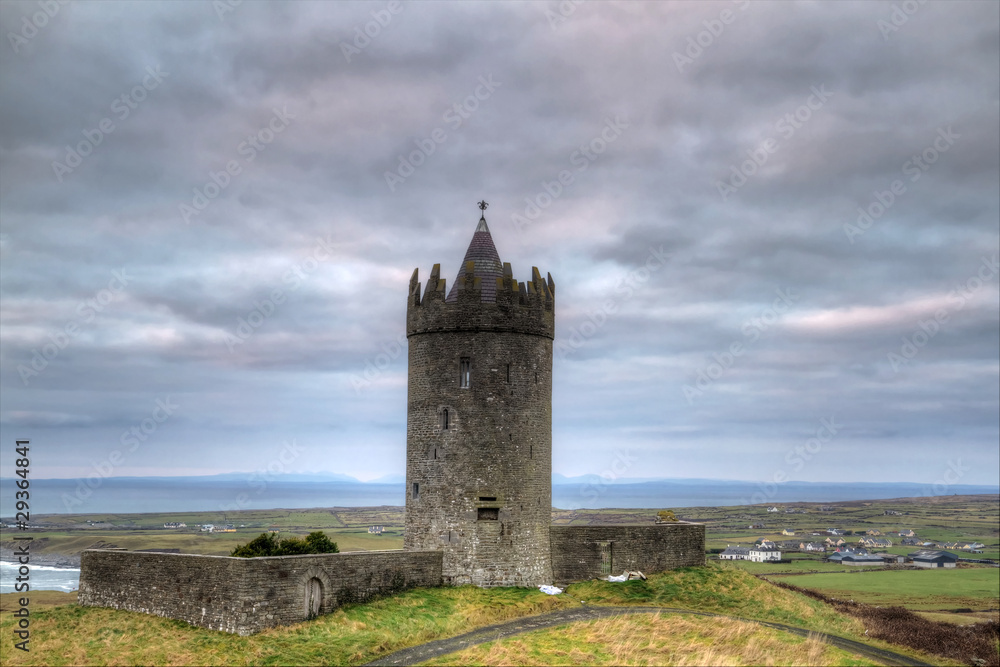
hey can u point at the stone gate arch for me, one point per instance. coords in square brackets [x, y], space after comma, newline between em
[314, 592]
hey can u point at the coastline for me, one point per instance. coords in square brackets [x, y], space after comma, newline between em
[47, 560]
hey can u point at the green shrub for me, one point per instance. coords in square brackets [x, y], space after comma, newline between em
[267, 544]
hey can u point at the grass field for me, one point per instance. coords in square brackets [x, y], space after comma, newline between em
[959, 619]
[661, 639]
[942, 518]
[212, 544]
[804, 565]
[39, 600]
[969, 588]
[936, 518]
[354, 634]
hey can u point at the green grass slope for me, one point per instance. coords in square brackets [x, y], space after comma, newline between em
[354, 634]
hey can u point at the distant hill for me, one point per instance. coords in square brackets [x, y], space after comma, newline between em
[904, 488]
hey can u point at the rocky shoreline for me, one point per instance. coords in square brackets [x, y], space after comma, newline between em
[48, 560]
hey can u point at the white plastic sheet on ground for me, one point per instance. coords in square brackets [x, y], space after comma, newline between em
[550, 590]
[627, 575]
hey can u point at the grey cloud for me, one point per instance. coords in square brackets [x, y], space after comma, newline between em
[655, 184]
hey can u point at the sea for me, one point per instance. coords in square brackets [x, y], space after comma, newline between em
[40, 578]
[117, 495]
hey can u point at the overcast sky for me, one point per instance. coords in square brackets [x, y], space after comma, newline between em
[773, 229]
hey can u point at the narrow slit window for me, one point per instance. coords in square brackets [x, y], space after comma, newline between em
[465, 373]
[416, 490]
[435, 453]
[508, 373]
[444, 419]
[531, 451]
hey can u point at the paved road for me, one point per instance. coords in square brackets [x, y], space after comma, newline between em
[416, 654]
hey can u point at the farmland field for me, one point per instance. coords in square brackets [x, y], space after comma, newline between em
[949, 518]
[965, 588]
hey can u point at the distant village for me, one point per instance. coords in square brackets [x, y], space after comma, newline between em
[230, 528]
[850, 547]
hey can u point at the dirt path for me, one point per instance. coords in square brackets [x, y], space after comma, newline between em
[434, 649]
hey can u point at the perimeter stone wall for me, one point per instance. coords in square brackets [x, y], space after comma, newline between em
[246, 595]
[577, 550]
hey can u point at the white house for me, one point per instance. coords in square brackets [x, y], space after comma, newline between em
[735, 553]
[756, 553]
[760, 554]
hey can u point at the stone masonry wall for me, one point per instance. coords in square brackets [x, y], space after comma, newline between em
[246, 595]
[576, 550]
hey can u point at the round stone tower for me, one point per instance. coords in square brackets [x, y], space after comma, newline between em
[479, 420]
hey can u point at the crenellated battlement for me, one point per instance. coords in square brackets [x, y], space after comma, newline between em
[522, 307]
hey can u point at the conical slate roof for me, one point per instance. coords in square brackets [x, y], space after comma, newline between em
[487, 263]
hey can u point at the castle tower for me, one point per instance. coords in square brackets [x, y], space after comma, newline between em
[479, 420]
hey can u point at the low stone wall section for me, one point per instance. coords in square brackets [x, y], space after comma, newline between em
[577, 550]
[247, 595]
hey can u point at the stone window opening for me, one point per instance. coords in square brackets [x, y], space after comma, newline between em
[416, 490]
[508, 373]
[465, 373]
[488, 514]
[487, 499]
[444, 419]
[435, 453]
[536, 378]
[531, 451]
